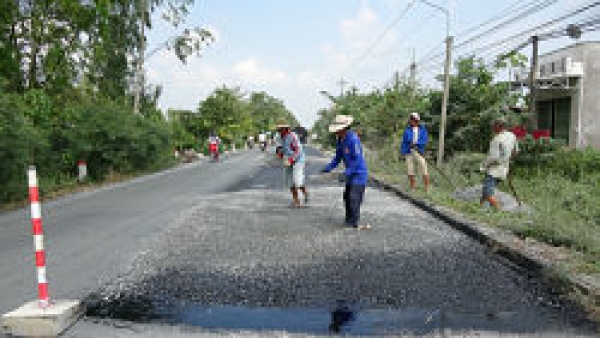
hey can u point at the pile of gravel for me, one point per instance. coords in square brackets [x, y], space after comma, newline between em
[507, 201]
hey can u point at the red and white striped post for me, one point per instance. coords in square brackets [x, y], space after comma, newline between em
[38, 237]
[81, 170]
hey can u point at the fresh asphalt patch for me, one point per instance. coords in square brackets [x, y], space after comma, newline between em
[244, 261]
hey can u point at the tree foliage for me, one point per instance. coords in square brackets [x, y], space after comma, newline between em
[476, 98]
[230, 114]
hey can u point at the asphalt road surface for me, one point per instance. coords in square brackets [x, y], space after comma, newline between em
[212, 249]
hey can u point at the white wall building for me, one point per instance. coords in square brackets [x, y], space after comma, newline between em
[568, 95]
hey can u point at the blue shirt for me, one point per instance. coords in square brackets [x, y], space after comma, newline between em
[292, 148]
[350, 151]
[407, 140]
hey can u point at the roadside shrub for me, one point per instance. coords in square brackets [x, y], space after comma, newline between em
[111, 139]
[17, 141]
[573, 164]
[105, 133]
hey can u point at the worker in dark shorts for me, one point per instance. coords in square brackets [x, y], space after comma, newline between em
[496, 166]
[349, 150]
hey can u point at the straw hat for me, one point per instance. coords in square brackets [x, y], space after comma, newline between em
[282, 123]
[340, 122]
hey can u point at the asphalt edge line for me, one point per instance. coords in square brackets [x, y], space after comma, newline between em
[499, 245]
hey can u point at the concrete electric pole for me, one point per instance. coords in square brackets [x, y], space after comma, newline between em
[533, 79]
[447, 68]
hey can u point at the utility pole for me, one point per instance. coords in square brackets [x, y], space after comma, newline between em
[413, 75]
[396, 81]
[342, 84]
[139, 76]
[533, 79]
[447, 66]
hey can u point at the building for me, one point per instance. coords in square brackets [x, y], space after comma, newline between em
[568, 94]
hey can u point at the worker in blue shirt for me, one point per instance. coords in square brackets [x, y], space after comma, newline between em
[412, 148]
[349, 150]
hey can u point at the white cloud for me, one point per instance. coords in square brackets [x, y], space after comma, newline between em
[310, 78]
[355, 27]
[363, 45]
[251, 71]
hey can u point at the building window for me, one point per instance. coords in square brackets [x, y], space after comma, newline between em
[555, 115]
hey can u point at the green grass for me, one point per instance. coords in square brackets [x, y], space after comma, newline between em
[566, 212]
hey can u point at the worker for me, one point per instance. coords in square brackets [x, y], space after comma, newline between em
[412, 148]
[213, 146]
[349, 150]
[262, 141]
[292, 155]
[496, 166]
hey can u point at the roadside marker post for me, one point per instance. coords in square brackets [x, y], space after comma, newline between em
[38, 237]
[41, 317]
[81, 170]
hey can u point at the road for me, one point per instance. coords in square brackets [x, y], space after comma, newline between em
[214, 245]
[87, 236]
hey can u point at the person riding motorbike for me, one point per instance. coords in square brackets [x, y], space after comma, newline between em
[213, 146]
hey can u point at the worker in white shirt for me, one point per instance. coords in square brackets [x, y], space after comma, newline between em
[496, 166]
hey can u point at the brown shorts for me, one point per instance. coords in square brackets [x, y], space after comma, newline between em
[415, 157]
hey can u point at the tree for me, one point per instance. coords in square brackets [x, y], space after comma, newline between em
[225, 113]
[475, 99]
[265, 110]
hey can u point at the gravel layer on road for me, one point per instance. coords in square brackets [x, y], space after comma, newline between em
[250, 249]
[247, 248]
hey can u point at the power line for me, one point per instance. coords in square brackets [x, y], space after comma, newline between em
[530, 6]
[389, 28]
[492, 48]
[412, 29]
[583, 25]
[527, 8]
[509, 21]
[527, 32]
[497, 17]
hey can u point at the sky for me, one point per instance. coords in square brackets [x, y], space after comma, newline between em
[293, 50]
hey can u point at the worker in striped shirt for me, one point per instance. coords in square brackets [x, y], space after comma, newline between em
[293, 158]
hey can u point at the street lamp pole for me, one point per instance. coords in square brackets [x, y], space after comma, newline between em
[447, 69]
